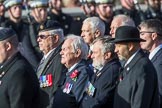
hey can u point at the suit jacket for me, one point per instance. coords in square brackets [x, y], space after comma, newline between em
[19, 87]
[157, 62]
[72, 86]
[138, 87]
[104, 83]
[52, 68]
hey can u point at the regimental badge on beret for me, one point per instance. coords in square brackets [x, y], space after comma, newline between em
[41, 27]
[49, 25]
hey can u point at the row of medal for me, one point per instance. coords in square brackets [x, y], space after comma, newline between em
[67, 88]
[46, 80]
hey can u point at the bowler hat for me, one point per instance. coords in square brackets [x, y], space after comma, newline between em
[49, 25]
[6, 33]
[127, 34]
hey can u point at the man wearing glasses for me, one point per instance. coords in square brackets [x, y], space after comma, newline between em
[151, 31]
[50, 38]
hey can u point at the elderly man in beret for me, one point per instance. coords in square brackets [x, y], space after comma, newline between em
[19, 87]
[50, 39]
[138, 86]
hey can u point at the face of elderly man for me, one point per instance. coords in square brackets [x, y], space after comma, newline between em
[87, 33]
[98, 55]
[46, 41]
[68, 56]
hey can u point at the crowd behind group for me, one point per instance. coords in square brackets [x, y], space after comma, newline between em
[108, 58]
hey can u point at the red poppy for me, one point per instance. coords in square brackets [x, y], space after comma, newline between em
[74, 74]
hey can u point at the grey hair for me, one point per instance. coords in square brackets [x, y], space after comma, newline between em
[107, 45]
[96, 24]
[125, 20]
[78, 43]
[58, 32]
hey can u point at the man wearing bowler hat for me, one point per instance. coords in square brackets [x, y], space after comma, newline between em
[137, 87]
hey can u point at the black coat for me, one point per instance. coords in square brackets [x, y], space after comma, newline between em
[138, 86]
[51, 66]
[157, 62]
[104, 83]
[19, 87]
[71, 89]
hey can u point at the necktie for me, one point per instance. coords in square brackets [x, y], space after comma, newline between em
[40, 66]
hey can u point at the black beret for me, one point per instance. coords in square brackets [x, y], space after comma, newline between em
[127, 34]
[6, 33]
[49, 25]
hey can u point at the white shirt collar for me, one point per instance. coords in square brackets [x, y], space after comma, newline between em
[45, 56]
[152, 54]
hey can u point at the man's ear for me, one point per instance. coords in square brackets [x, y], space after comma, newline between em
[55, 38]
[107, 55]
[78, 53]
[8, 46]
[97, 33]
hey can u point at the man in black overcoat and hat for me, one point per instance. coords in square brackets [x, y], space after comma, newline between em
[138, 87]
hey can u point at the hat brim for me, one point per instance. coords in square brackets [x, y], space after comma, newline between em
[126, 40]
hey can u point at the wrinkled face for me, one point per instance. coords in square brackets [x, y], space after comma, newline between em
[15, 11]
[2, 9]
[68, 57]
[114, 25]
[56, 4]
[155, 4]
[105, 10]
[97, 55]
[146, 34]
[122, 50]
[45, 41]
[87, 33]
[3, 52]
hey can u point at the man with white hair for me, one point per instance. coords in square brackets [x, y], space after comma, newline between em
[101, 88]
[120, 20]
[92, 28]
[72, 84]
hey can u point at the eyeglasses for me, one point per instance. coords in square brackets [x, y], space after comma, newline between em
[43, 36]
[143, 32]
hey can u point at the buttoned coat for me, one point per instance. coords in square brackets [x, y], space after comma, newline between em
[51, 66]
[71, 90]
[19, 87]
[138, 86]
[104, 82]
